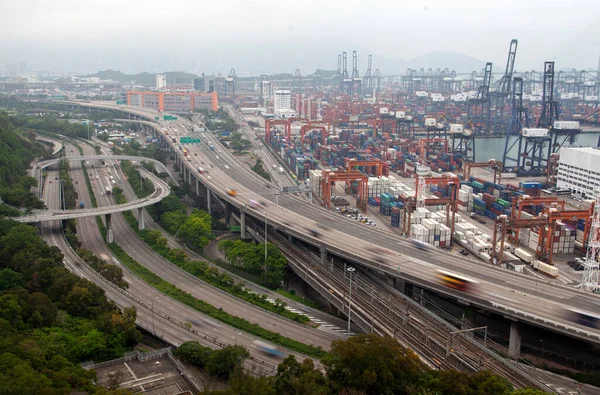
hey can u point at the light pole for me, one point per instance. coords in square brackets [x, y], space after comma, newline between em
[543, 344]
[266, 224]
[154, 333]
[350, 271]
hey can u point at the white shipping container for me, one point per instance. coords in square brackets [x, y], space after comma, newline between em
[566, 125]
[545, 268]
[534, 132]
[523, 255]
[429, 121]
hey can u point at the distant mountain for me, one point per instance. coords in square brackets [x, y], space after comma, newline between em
[177, 77]
[458, 62]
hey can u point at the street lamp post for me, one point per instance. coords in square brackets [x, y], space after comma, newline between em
[543, 345]
[350, 271]
[154, 333]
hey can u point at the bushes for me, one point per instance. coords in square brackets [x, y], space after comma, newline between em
[218, 363]
[141, 188]
[259, 169]
[251, 257]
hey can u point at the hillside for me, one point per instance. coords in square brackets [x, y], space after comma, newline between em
[144, 78]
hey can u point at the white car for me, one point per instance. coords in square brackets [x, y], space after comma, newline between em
[227, 166]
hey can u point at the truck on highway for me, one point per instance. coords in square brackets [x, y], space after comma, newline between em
[269, 349]
[81, 204]
[173, 140]
[280, 170]
[108, 190]
[544, 268]
[211, 147]
[200, 170]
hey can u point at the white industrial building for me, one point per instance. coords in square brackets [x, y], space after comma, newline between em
[161, 81]
[579, 171]
[282, 104]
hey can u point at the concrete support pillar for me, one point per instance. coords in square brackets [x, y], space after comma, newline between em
[197, 187]
[242, 224]
[227, 214]
[390, 280]
[209, 201]
[400, 285]
[141, 218]
[323, 255]
[109, 234]
[514, 341]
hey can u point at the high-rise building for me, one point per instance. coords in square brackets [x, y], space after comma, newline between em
[282, 103]
[209, 83]
[282, 100]
[161, 81]
[198, 84]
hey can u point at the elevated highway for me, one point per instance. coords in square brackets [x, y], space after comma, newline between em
[515, 296]
[161, 190]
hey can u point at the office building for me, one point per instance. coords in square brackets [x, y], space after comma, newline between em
[174, 101]
[161, 81]
[579, 171]
[198, 84]
[282, 103]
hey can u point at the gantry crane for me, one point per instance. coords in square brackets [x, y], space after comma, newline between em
[424, 143]
[518, 204]
[453, 182]
[546, 240]
[502, 226]
[352, 163]
[492, 163]
[311, 125]
[272, 122]
[348, 177]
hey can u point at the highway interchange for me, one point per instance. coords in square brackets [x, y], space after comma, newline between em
[146, 297]
[346, 236]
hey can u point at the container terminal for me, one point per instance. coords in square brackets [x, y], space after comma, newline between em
[400, 153]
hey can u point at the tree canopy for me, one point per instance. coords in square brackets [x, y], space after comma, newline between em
[51, 320]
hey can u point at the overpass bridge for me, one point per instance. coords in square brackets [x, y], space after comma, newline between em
[161, 190]
[503, 292]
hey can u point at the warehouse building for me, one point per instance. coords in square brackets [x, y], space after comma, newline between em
[579, 171]
[174, 101]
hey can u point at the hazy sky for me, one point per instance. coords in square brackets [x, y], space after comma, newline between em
[266, 36]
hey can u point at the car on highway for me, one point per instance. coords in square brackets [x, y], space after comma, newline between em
[231, 192]
[227, 167]
[253, 203]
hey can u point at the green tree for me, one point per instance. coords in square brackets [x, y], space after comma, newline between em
[294, 378]
[372, 364]
[194, 353]
[10, 279]
[197, 228]
[222, 363]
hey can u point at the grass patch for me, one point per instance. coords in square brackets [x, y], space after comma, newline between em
[299, 299]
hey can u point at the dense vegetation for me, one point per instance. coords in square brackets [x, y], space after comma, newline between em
[141, 186]
[218, 363]
[219, 120]
[251, 257]
[16, 154]
[259, 169]
[68, 193]
[49, 123]
[238, 143]
[52, 320]
[365, 364]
